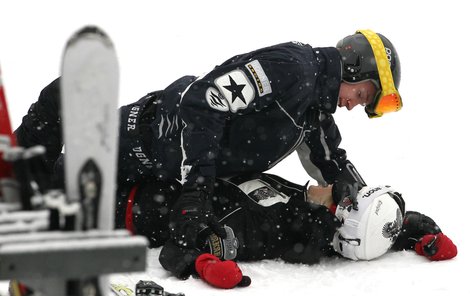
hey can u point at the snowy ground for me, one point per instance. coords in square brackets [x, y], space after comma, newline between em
[421, 151]
[394, 274]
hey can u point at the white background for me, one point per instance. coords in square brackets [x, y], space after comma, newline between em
[421, 151]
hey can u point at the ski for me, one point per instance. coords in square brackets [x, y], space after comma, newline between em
[89, 100]
[65, 243]
[89, 93]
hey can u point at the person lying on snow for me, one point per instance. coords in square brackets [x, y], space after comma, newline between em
[267, 217]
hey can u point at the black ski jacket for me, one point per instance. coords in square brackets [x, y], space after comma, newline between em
[267, 216]
[245, 115]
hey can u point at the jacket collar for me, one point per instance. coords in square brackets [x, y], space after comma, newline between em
[326, 92]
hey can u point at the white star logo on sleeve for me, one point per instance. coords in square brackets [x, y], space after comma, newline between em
[236, 88]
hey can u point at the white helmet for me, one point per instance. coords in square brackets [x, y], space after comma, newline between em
[369, 232]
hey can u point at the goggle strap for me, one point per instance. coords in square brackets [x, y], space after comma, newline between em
[383, 65]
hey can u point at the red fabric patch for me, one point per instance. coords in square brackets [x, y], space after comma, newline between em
[129, 214]
[332, 208]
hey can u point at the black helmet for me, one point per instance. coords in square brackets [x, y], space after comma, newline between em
[360, 63]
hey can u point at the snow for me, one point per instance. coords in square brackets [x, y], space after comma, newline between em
[421, 151]
[393, 274]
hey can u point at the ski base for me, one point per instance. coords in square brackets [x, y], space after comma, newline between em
[74, 256]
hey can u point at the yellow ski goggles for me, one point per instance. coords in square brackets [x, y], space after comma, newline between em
[388, 100]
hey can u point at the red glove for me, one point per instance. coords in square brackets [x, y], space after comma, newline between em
[436, 247]
[220, 274]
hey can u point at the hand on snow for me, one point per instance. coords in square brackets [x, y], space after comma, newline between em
[436, 247]
[220, 274]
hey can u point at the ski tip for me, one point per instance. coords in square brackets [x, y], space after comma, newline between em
[89, 31]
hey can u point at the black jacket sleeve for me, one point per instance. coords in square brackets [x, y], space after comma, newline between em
[321, 156]
[178, 261]
[313, 227]
[41, 125]
[236, 88]
[415, 226]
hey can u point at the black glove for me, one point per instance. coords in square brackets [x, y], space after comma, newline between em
[415, 226]
[192, 213]
[345, 194]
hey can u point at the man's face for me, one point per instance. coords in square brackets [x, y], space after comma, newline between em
[360, 93]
